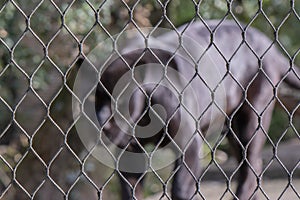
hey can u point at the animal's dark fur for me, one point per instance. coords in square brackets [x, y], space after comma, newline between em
[251, 67]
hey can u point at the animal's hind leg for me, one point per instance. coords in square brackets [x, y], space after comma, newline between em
[246, 141]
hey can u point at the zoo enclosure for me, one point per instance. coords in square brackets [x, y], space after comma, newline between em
[41, 45]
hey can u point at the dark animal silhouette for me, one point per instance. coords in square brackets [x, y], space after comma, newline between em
[250, 69]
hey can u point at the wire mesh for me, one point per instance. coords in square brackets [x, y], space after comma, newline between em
[57, 87]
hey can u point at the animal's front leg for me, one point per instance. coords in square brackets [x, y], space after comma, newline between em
[131, 186]
[132, 166]
[185, 180]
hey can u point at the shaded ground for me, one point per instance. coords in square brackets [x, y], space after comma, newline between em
[273, 189]
[286, 162]
[275, 185]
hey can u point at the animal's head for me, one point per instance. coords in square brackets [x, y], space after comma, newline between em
[121, 99]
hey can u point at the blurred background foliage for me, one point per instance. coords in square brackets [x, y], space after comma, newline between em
[41, 44]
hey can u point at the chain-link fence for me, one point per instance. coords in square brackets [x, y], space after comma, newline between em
[149, 99]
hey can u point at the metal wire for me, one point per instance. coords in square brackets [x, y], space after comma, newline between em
[47, 161]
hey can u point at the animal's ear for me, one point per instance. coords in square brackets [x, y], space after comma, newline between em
[151, 56]
[166, 58]
[104, 114]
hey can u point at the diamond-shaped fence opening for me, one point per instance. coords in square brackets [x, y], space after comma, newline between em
[149, 99]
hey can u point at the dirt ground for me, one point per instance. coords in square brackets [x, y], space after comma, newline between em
[275, 184]
[273, 189]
